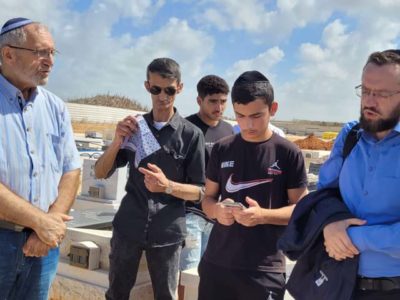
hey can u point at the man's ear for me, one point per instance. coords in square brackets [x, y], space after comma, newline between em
[147, 85]
[273, 109]
[6, 54]
[179, 88]
[199, 100]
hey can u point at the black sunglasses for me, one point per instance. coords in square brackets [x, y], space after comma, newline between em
[156, 90]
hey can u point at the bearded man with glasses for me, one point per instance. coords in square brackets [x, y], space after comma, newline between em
[151, 217]
[369, 181]
[39, 163]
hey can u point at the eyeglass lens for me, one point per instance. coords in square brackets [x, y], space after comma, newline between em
[46, 52]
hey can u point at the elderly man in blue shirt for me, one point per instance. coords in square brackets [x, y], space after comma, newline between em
[39, 163]
[369, 181]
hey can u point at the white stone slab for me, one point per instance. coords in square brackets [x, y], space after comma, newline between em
[114, 187]
[81, 204]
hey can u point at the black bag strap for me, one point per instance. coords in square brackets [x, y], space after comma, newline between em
[351, 140]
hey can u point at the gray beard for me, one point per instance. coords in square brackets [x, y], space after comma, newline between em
[42, 81]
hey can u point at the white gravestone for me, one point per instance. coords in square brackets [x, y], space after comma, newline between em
[110, 190]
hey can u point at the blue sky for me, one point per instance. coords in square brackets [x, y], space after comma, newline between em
[311, 50]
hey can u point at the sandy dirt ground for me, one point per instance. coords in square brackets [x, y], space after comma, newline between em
[98, 127]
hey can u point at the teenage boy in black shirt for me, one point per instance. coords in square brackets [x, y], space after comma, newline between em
[151, 217]
[266, 174]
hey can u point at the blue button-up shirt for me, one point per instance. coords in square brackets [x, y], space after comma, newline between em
[369, 181]
[36, 144]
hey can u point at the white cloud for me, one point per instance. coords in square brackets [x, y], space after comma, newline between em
[235, 15]
[327, 72]
[318, 85]
[214, 17]
[255, 17]
[103, 64]
[137, 9]
[263, 62]
[260, 18]
[312, 52]
[94, 62]
[34, 9]
[243, 15]
[334, 36]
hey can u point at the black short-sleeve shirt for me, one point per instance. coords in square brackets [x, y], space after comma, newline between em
[263, 171]
[211, 136]
[158, 219]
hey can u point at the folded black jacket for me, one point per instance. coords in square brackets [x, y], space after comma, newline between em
[315, 275]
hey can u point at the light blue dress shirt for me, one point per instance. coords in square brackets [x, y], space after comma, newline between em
[36, 144]
[370, 185]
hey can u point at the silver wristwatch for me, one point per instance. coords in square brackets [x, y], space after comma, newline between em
[169, 188]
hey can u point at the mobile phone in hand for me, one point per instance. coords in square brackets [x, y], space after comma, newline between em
[233, 204]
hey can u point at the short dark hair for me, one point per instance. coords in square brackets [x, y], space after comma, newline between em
[212, 84]
[165, 67]
[251, 85]
[380, 58]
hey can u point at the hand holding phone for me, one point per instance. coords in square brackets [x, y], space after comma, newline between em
[233, 204]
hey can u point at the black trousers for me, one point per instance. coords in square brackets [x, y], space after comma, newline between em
[218, 283]
[162, 262]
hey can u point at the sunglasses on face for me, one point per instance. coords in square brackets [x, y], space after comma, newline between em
[156, 90]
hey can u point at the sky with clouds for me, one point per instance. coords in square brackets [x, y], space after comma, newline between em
[313, 51]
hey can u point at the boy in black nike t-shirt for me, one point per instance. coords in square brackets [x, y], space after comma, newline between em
[265, 173]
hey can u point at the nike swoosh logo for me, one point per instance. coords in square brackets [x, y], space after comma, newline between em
[232, 187]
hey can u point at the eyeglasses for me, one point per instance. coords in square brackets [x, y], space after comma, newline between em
[38, 52]
[156, 90]
[362, 91]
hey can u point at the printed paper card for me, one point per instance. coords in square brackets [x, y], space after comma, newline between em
[143, 142]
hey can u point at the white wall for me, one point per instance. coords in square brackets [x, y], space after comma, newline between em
[98, 114]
